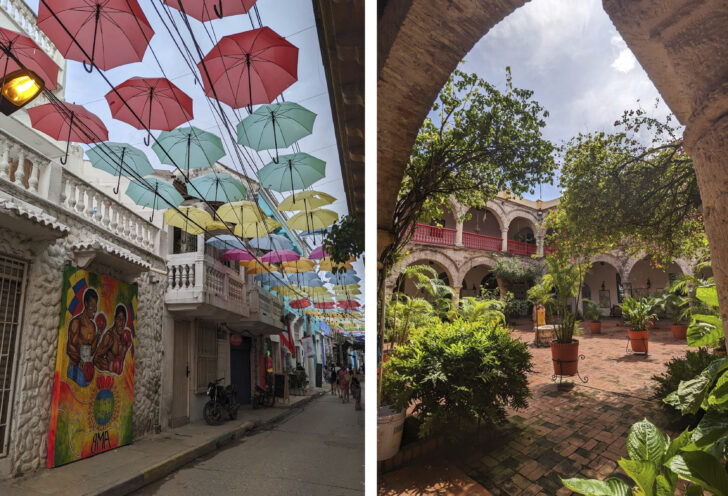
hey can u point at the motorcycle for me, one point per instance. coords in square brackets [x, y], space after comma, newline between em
[263, 396]
[222, 399]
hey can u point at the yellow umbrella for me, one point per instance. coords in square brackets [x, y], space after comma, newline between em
[217, 226]
[305, 200]
[300, 265]
[239, 212]
[312, 220]
[288, 291]
[347, 291]
[255, 267]
[315, 290]
[328, 264]
[191, 219]
[255, 229]
[345, 287]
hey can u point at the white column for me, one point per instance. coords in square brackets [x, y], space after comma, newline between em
[504, 243]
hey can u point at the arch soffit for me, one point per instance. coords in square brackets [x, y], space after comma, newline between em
[526, 215]
[475, 262]
[439, 257]
[684, 265]
[611, 260]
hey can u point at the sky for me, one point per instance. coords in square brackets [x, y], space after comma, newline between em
[292, 19]
[571, 55]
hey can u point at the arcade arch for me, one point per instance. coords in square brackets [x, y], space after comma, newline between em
[648, 280]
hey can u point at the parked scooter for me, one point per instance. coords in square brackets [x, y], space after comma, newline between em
[264, 396]
[222, 400]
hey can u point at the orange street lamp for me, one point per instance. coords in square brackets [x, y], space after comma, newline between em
[17, 89]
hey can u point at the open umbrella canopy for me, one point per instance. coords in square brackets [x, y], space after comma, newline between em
[254, 229]
[249, 68]
[271, 242]
[302, 265]
[305, 278]
[190, 219]
[278, 256]
[348, 304]
[188, 148]
[272, 279]
[305, 200]
[324, 304]
[238, 255]
[318, 253]
[295, 171]
[255, 267]
[216, 187]
[274, 126]
[226, 242]
[208, 10]
[156, 102]
[112, 32]
[347, 292]
[68, 122]
[344, 278]
[345, 287]
[314, 219]
[287, 291]
[217, 226]
[301, 303]
[240, 212]
[30, 56]
[329, 265]
[120, 159]
[153, 193]
[315, 291]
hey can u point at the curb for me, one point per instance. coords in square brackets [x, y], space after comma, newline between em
[178, 460]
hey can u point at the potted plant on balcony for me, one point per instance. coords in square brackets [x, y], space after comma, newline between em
[593, 315]
[637, 314]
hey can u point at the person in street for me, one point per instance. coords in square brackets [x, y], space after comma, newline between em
[332, 379]
[344, 379]
[356, 391]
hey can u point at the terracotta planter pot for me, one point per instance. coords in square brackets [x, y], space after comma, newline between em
[679, 331]
[595, 327]
[639, 340]
[565, 357]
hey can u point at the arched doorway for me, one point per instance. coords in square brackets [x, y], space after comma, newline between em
[408, 285]
[649, 280]
[477, 277]
[603, 281]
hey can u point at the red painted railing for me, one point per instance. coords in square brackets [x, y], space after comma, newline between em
[482, 242]
[521, 248]
[434, 235]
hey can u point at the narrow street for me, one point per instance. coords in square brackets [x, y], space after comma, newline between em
[318, 450]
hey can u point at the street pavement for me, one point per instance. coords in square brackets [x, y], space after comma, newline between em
[317, 450]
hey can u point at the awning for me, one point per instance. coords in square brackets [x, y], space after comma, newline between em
[21, 217]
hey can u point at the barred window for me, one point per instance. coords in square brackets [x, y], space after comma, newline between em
[206, 357]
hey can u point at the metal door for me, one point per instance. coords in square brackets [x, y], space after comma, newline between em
[240, 369]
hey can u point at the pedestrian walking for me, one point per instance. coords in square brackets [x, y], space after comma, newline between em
[356, 391]
[331, 377]
[344, 379]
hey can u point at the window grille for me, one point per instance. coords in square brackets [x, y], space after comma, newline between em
[206, 357]
[12, 281]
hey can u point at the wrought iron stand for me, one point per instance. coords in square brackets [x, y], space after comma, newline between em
[584, 379]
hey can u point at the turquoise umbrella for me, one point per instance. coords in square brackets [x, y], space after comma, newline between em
[277, 125]
[188, 146]
[121, 159]
[271, 242]
[216, 187]
[154, 193]
[296, 171]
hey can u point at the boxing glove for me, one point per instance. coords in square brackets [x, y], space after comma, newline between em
[88, 371]
[100, 322]
[117, 366]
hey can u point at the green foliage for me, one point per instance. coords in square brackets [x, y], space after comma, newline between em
[706, 329]
[635, 184]
[345, 240]
[472, 309]
[542, 293]
[404, 315]
[566, 328]
[514, 307]
[458, 372]
[515, 270]
[592, 311]
[675, 306]
[637, 313]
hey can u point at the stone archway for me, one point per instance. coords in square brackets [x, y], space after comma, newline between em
[425, 257]
[474, 272]
[646, 279]
[604, 280]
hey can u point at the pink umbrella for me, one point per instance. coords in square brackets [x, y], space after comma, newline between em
[278, 256]
[302, 303]
[202, 9]
[69, 122]
[237, 255]
[29, 55]
[318, 253]
[325, 305]
[348, 304]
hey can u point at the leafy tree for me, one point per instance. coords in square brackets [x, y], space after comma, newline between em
[404, 316]
[346, 239]
[635, 185]
[514, 270]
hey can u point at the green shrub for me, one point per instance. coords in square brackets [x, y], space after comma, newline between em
[456, 373]
[516, 308]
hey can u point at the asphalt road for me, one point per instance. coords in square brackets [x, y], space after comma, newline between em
[319, 450]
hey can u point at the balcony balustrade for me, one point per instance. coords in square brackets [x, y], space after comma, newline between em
[521, 248]
[482, 242]
[434, 235]
[442, 236]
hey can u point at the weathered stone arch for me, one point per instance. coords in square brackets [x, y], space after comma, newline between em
[526, 215]
[611, 260]
[687, 267]
[488, 260]
[426, 255]
[496, 208]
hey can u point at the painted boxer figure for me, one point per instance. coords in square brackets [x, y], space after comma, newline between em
[82, 340]
[115, 342]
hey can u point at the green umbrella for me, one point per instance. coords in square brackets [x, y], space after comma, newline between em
[190, 146]
[121, 159]
[146, 194]
[296, 171]
[216, 187]
[277, 125]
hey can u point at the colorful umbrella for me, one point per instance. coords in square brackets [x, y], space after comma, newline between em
[344, 278]
[347, 292]
[348, 304]
[216, 187]
[112, 32]
[278, 256]
[237, 255]
[190, 219]
[30, 56]
[145, 194]
[240, 212]
[155, 101]
[226, 242]
[315, 219]
[302, 303]
[296, 171]
[301, 265]
[325, 304]
[68, 122]
[271, 279]
[248, 68]
[315, 290]
[305, 278]
[217, 226]
[202, 9]
[287, 291]
[328, 264]
[274, 126]
[189, 145]
[318, 253]
[305, 200]
[131, 161]
[255, 267]
[272, 242]
[254, 229]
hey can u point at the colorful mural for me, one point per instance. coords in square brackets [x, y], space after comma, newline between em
[93, 387]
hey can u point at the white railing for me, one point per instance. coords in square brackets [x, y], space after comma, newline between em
[265, 308]
[195, 278]
[25, 18]
[50, 181]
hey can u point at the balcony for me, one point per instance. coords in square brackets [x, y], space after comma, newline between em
[521, 248]
[433, 235]
[200, 286]
[266, 313]
[482, 242]
[443, 236]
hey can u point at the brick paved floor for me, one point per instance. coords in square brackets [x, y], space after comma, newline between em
[579, 430]
[571, 431]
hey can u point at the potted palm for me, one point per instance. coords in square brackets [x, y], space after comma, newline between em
[593, 315]
[637, 315]
[565, 349]
[677, 309]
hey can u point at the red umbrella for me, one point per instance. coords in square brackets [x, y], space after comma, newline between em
[155, 100]
[325, 305]
[201, 10]
[68, 122]
[249, 68]
[110, 32]
[29, 55]
[302, 303]
[348, 304]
